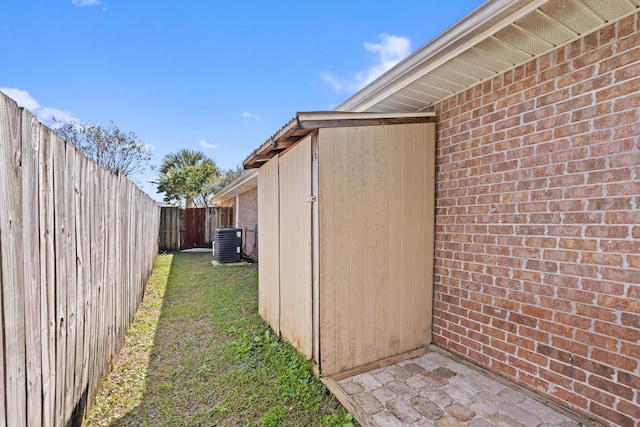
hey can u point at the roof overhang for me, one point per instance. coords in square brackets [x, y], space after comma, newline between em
[304, 123]
[496, 37]
[242, 184]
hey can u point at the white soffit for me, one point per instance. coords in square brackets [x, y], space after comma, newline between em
[496, 37]
[242, 184]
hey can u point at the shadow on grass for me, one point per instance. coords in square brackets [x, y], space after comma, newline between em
[213, 361]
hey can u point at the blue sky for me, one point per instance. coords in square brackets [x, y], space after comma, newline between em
[220, 77]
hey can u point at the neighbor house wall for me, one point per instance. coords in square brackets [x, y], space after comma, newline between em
[247, 220]
[537, 272]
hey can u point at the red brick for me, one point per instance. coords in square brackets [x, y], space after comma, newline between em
[631, 350]
[629, 409]
[562, 281]
[618, 361]
[522, 320]
[592, 112]
[567, 180]
[541, 242]
[626, 26]
[537, 312]
[551, 122]
[579, 270]
[566, 206]
[581, 192]
[564, 230]
[621, 275]
[631, 380]
[618, 90]
[552, 194]
[610, 203]
[623, 246]
[592, 137]
[587, 165]
[556, 329]
[608, 146]
[602, 259]
[567, 370]
[592, 56]
[565, 396]
[618, 62]
[619, 303]
[571, 79]
[564, 256]
[603, 287]
[634, 262]
[573, 321]
[630, 101]
[582, 218]
[631, 217]
[610, 414]
[611, 175]
[579, 244]
[592, 339]
[595, 394]
[570, 345]
[611, 387]
[615, 120]
[625, 159]
[593, 312]
[546, 218]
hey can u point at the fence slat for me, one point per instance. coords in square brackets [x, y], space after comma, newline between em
[11, 249]
[31, 266]
[47, 277]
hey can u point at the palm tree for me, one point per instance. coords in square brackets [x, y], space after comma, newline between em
[179, 170]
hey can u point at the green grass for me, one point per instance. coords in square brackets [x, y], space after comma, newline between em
[198, 354]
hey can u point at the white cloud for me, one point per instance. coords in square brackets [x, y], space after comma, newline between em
[81, 3]
[44, 114]
[390, 51]
[205, 144]
[248, 115]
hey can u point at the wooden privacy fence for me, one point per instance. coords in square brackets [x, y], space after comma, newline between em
[77, 244]
[191, 228]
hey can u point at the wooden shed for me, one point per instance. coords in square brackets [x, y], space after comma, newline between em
[346, 213]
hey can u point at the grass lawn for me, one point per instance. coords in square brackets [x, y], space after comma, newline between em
[198, 354]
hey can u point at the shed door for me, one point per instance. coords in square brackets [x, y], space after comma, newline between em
[295, 247]
[376, 219]
[269, 244]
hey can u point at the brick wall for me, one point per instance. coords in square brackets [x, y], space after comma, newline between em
[538, 224]
[247, 219]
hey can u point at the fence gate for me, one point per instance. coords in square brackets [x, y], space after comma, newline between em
[191, 228]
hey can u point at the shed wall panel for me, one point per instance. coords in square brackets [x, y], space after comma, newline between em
[376, 189]
[269, 241]
[295, 247]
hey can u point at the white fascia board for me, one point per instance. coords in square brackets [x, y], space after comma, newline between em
[483, 22]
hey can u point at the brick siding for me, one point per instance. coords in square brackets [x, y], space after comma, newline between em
[537, 273]
[247, 219]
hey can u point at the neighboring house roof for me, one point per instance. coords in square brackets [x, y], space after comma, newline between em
[496, 37]
[242, 184]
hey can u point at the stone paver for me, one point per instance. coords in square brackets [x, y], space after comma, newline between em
[437, 390]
